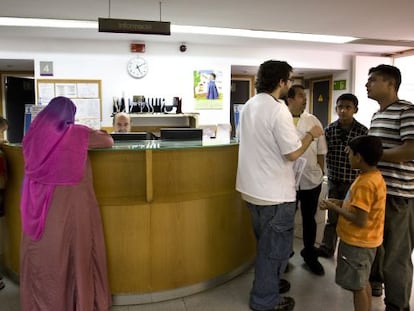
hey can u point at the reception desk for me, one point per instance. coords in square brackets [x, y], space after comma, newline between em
[173, 222]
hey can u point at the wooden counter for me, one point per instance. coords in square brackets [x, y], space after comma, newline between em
[173, 222]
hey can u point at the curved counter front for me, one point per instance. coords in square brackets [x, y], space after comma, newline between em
[173, 222]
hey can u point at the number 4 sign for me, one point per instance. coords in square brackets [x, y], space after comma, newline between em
[46, 68]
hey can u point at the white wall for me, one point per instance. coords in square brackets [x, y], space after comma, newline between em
[170, 74]
[406, 66]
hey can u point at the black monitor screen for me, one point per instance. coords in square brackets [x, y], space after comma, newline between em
[181, 133]
[133, 136]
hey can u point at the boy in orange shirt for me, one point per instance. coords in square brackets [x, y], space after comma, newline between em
[361, 220]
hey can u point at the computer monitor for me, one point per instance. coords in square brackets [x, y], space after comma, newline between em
[130, 136]
[181, 133]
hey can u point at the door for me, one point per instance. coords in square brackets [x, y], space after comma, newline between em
[321, 99]
[18, 93]
[242, 88]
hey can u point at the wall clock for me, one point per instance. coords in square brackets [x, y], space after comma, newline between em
[137, 67]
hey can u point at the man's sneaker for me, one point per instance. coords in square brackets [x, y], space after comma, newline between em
[285, 304]
[376, 288]
[284, 286]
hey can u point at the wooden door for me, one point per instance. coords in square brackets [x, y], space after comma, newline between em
[321, 99]
[18, 93]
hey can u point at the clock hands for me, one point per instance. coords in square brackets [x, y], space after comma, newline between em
[138, 67]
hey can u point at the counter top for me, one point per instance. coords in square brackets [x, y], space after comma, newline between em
[163, 144]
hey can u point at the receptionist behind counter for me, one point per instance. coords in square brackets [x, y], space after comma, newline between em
[121, 123]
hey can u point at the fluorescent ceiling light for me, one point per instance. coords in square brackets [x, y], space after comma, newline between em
[260, 34]
[45, 22]
[216, 31]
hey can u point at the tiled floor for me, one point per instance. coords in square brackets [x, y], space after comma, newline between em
[312, 293]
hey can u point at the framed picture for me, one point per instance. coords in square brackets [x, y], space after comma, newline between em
[208, 91]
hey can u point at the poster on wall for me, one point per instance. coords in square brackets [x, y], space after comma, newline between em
[208, 90]
[31, 111]
[85, 94]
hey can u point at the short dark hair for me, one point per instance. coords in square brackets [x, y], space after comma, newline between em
[388, 72]
[350, 97]
[292, 90]
[270, 73]
[369, 147]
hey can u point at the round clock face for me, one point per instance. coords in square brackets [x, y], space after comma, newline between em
[137, 67]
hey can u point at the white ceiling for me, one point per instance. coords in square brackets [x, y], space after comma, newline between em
[386, 27]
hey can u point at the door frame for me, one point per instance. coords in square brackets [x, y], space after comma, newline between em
[250, 78]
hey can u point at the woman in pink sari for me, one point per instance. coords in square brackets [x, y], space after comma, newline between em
[62, 252]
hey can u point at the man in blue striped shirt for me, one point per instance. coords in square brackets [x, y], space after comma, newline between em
[394, 124]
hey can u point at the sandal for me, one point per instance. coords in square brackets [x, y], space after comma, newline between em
[2, 285]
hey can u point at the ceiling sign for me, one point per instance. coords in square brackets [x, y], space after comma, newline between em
[134, 26]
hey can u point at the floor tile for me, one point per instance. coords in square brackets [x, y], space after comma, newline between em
[311, 292]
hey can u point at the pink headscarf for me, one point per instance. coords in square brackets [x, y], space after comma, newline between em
[55, 152]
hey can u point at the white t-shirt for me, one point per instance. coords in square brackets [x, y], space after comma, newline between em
[267, 133]
[312, 175]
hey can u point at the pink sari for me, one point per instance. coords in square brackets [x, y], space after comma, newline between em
[62, 252]
[55, 153]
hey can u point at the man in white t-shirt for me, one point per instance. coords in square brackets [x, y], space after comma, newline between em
[268, 146]
[311, 181]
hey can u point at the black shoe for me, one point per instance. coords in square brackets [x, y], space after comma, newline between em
[285, 304]
[322, 252]
[313, 264]
[376, 288]
[284, 286]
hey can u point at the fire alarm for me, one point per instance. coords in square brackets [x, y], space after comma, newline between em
[138, 47]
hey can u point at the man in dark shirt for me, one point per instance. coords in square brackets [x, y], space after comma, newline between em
[340, 175]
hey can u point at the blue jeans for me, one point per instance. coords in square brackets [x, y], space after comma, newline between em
[273, 228]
